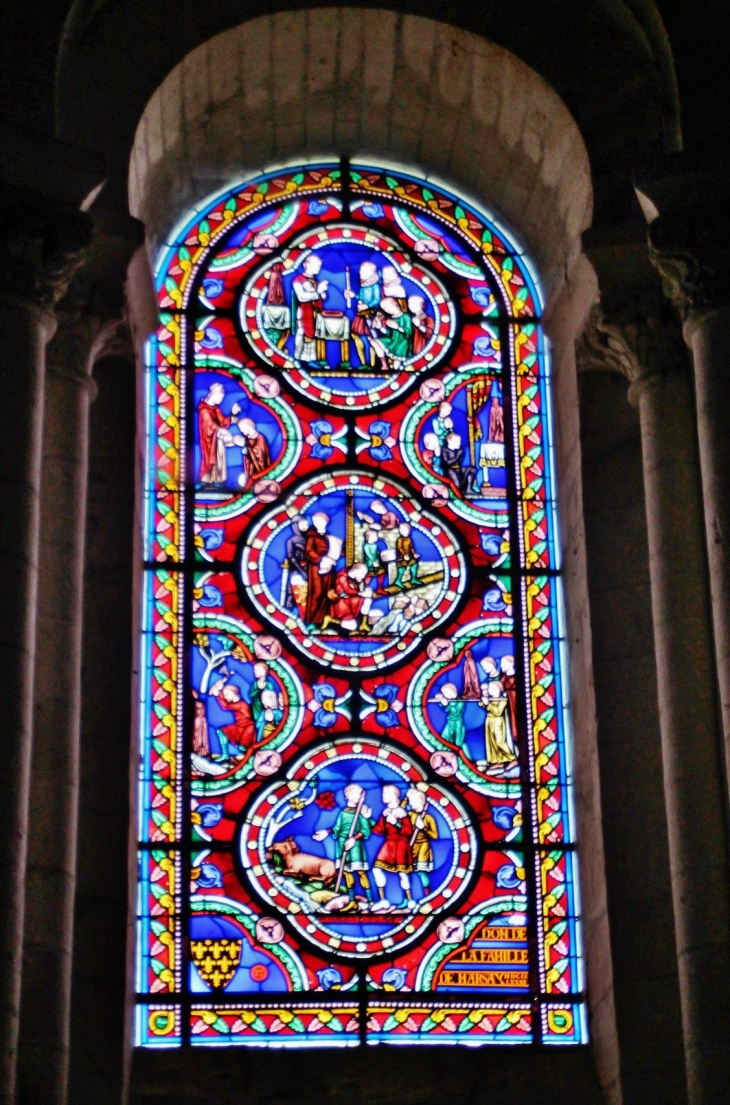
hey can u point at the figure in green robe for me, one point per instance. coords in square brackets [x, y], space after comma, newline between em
[396, 333]
[454, 731]
[354, 828]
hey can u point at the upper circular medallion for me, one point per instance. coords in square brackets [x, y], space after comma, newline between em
[348, 315]
[353, 570]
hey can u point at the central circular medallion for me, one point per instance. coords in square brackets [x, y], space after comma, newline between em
[357, 848]
[353, 570]
[348, 315]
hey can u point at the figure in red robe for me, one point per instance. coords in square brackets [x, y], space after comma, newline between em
[496, 421]
[395, 853]
[213, 426]
[241, 731]
[351, 599]
[422, 323]
[319, 583]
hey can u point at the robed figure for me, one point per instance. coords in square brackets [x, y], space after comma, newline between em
[214, 437]
[496, 421]
[256, 453]
[316, 548]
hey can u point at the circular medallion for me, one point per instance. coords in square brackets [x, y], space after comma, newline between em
[357, 849]
[247, 710]
[348, 315]
[462, 707]
[453, 442]
[353, 571]
[245, 440]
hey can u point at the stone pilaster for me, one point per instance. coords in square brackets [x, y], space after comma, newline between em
[644, 348]
[43, 245]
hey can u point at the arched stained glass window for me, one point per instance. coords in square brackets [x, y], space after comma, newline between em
[355, 791]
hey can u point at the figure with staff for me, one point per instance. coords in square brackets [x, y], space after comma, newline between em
[424, 830]
[352, 828]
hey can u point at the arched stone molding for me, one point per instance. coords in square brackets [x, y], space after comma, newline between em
[610, 61]
[407, 89]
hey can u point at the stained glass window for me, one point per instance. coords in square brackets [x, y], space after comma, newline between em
[355, 813]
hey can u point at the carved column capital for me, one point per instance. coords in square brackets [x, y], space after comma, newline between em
[691, 250]
[603, 347]
[43, 244]
[113, 342]
[640, 344]
[92, 322]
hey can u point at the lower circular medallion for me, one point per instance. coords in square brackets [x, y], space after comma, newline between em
[353, 571]
[357, 848]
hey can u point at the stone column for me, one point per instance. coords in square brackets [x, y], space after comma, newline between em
[42, 245]
[692, 252]
[100, 1014]
[91, 328]
[656, 364]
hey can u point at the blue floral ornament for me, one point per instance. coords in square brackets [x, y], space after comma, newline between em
[210, 815]
[377, 441]
[211, 339]
[211, 596]
[325, 705]
[485, 298]
[493, 601]
[384, 704]
[503, 816]
[212, 287]
[329, 978]
[373, 211]
[394, 978]
[209, 876]
[491, 543]
[323, 440]
[317, 207]
[508, 877]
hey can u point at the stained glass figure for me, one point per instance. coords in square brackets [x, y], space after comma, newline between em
[355, 814]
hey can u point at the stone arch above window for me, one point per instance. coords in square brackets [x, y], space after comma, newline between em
[355, 812]
[313, 84]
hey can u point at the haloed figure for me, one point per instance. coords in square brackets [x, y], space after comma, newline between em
[214, 435]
